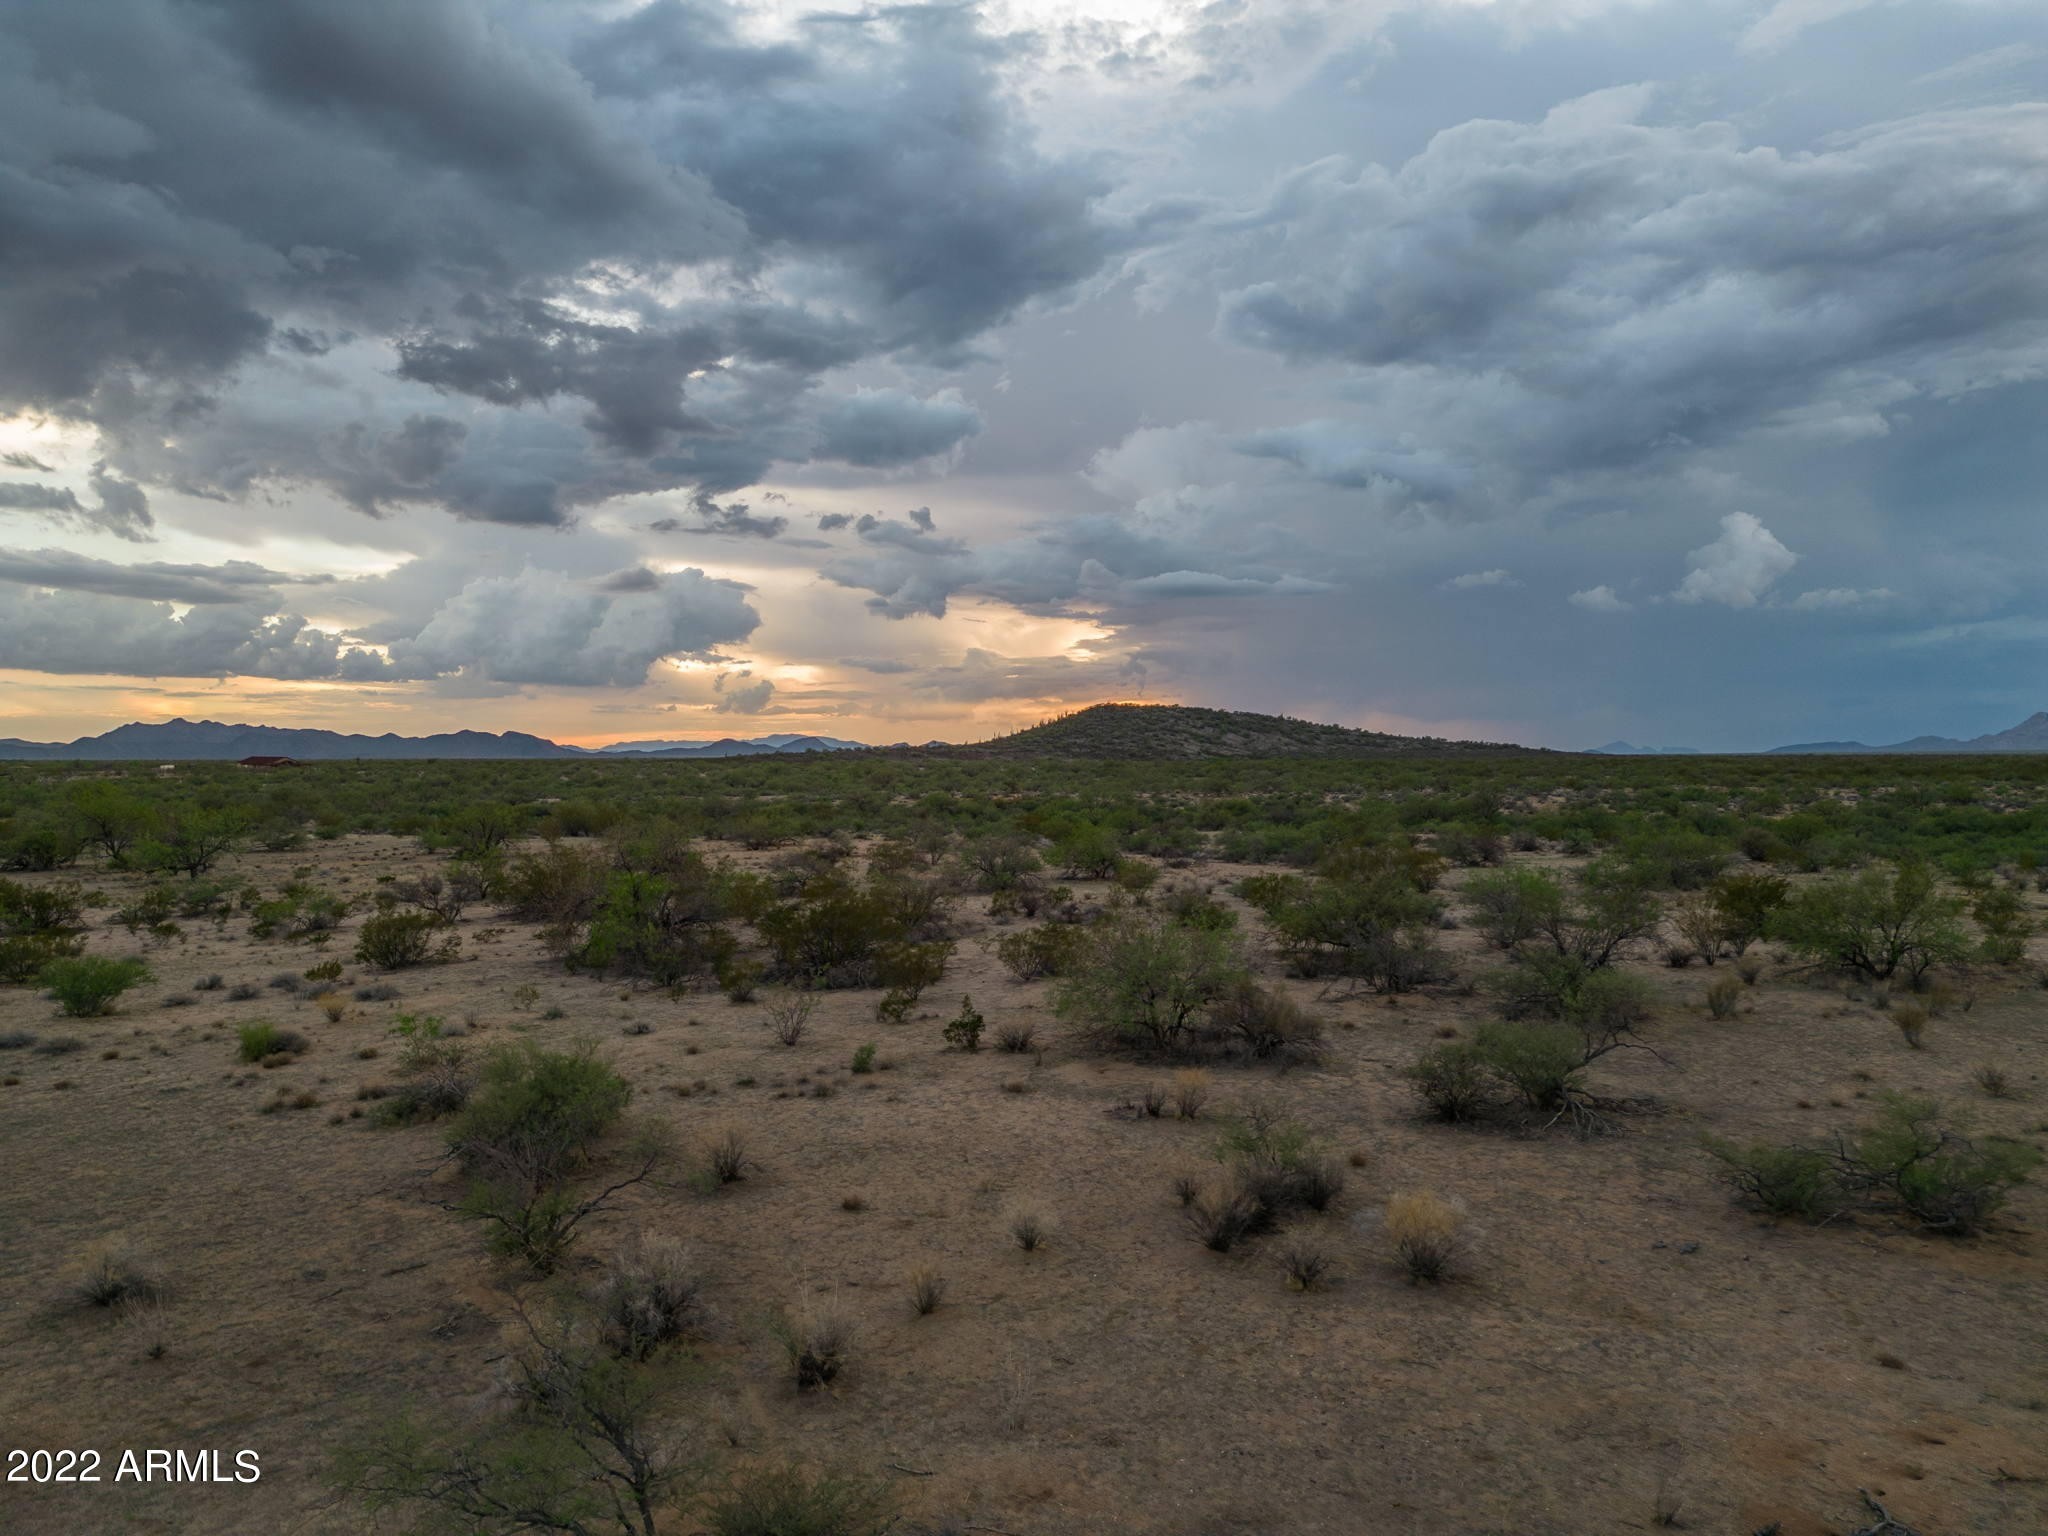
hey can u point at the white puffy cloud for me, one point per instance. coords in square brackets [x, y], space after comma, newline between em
[1497, 577]
[1825, 598]
[1600, 599]
[542, 627]
[1739, 568]
[82, 632]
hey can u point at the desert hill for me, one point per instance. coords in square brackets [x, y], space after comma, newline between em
[1139, 731]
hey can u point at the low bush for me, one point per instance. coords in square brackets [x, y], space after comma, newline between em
[1147, 984]
[1544, 1063]
[1877, 923]
[963, 1031]
[1278, 1165]
[264, 1041]
[817, 1342]
[786, 1501]
[1016, 1039]
[726, 1159]
[1452, 1081]
[88, 985]
[864, 1060]
[1222, 1215]
[1724, 997]
[535, 1113]
[1940, 1177]
[1425, 1233]
[1029, 1228]
[439, 1077]
[394, 941]
[115, 1275]
[1303, 1262]
[1050, 949]
[1265, 1021]
[648, 1297]
[1190, 1092]
[789, 1017]
[1784, 1181]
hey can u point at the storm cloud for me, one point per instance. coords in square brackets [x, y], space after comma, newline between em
[1422, 363]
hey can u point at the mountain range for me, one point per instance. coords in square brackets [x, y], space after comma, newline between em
[2030, 735]
[1134, 731]
[209, 740]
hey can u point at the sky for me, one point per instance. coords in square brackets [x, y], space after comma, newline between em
[1538, 370]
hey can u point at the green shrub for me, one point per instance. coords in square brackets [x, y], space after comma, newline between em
[864, 1059]
[1452, 1081]
[1147, 984]
[438, 1075]
[907, 970]
[1785, 1181]
[262, 1040]
[1544, 1063]
[86, 985]
[27, 956]
[786, 1501]
[1940, 1177]
[1047, 950]
[32, 911]
[531, 1124]
[664, 927]
[964, 1031]
[1877, 923]
[395, 941]
[2005, 924]
[834, 935]
[1746, 905]
[1364, 915]
[538, 1111]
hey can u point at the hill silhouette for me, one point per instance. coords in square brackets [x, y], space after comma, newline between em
[1183, 731]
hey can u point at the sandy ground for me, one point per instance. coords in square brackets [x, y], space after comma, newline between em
[1621, 1331]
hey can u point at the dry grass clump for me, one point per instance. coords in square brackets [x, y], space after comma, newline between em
[725, 1157]
[1424, 1229]
[1030, 1228]
[115, 1275]
[1911, 1020]
[1723, 997]
[817, 1342]
[789, 1017]
[1015, 1038]
[1223, 1215]
[1303, 1262]
[1190, 1092]
[647, 1297]
[1994, 1080]
[927, 1290]
[1152, 1099]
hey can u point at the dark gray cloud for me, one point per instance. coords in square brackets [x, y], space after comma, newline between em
[234, 581]
[121, 508]
[737, 696]
[1600, 290]
[220, 213]
[733, 517]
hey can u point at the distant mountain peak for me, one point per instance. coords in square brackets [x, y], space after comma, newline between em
[2030, 735]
